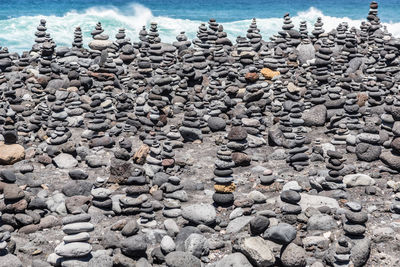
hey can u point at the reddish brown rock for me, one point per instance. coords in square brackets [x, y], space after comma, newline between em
[102, 76]
[362, 98]
[168, 162]
[141, 154]
[237, 133]
[44, 159]
[251, 77]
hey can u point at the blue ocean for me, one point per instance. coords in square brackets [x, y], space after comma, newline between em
[19, 18]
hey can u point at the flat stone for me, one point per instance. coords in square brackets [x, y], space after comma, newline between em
[65, 161]
[10, 260]
[236, 225]
[199, 214]
[180, 258]
[79, 227]
[256, 250]
[316, 201]
[75, 249]
[234, 260]
[358, 179]
[282, 233]
[321, 222]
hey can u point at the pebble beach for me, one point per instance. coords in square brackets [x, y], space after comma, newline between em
[205, 151]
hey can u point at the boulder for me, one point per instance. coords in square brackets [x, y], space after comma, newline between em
[315, 116]
[199, 214]
[10, 154]
[65, 161]
[256, 250]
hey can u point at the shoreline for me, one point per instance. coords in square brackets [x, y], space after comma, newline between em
[205, 151]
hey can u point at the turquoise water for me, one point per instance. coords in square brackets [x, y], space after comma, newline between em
[19, 18]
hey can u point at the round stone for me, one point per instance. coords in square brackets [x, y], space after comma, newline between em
[223, 199]
[290, 196]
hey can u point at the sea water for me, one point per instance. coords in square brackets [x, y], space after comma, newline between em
[19, 18]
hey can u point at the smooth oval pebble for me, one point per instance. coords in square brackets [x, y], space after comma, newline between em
[75, 249]
[75, 228]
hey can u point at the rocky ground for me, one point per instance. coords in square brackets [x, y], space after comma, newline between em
[202, 153]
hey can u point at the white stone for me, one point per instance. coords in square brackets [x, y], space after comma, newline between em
[358, 179]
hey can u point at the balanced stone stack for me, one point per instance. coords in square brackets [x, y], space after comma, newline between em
[373, 18]
[254, 36]
[342, 253]
[75, 247]
[168, 154]
[246, 55]
[352, 113]
[6, 63]
[369, 143]
[78, 40]
[292, 36]
[355, 220]
[155, 54]
[303, 30]
[174, 193]
[9, 132]
[284, 36]
[212, 32]
[14, 212]
[143, 34]
[335, 164]
[153, 36]
[237, 137]
[318, 29]
[173, 141]
[120, 40]
[40, 36]
[222, 38]
[124, 105]
[334, 103]
[190, 129]
[297, 156]
[57, 131]
[322, 61]
[224, 185]
[136, 200]
[182, 42]
[100, 41]
[376, 94]
[202, 37]
[127, 52]
[290, 207]
[153, 160]
[102, 198]
[351, 45]
[391, 158]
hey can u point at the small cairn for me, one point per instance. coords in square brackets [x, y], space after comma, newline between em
[224, 185]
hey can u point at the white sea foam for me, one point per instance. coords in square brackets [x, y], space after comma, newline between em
[18, 33]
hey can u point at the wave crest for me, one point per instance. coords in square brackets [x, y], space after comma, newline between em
[18, 33]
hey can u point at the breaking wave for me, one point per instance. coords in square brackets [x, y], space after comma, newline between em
[18, 33]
